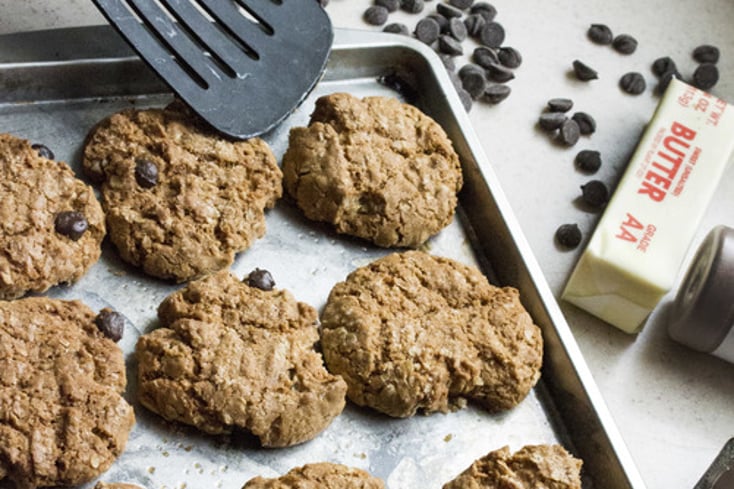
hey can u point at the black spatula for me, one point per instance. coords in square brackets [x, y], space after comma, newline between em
[243, 65]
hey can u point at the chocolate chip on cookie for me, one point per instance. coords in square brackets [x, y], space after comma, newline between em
[146, 173]
[261, 279]
[71, 224]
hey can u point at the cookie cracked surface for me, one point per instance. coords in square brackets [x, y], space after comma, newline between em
[34, 190]
[229, 356]
[374, 168]
[63, 420]
[531, 467]
[319, 476]
[180, 200]
[412, 332]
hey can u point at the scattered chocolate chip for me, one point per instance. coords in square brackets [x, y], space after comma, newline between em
[427, 30]
[632, 83]
[509, 57]
[146, 173]
[110, 323]
[474, 83]
[397, 28]
[560, 104]
[492, 35]
[390, 5]
[375, 15]
[600, 34]
[500, 74]
[474, 24]
[568, 235]
[448, 61]
[495, 94]
[584, 72]
[443, 22]
[595, 193]
[449, 45]
[448, 11]
[588, 161]
[570, 132]
[260, 279]
[550, 121]
[705, 76]
[663, 65]
[485, 57]
[461, 4]
[413, 6]
[486, 10]
[399, 84]
[706, 53]
[457, 29]
[465, 98]
[587, 124]
[665, 80]
[71, 224]
[624, 44]
[43, 151]
[471, 69]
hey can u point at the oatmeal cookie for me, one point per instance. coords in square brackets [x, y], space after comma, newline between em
[51, 224]
[375, 168]
[319, 476]
[180, 200]
[532, 467]
[63, 420]
[412, 332]
[230, 356]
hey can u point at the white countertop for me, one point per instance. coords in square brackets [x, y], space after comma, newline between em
[674, 407]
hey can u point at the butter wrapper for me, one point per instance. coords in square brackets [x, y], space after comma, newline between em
[638, 247]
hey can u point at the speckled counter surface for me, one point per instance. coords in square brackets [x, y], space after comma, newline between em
[674, 407]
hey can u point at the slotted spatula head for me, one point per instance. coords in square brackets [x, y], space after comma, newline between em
[243, 65]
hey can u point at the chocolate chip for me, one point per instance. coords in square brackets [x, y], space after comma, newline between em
[448, 62]
[663, 65]
[375, 15]
[509, 57]
[448, 11]
[474, 83]
[146, 173]
[550, 121]
[465, 98]
[568, 235]
[584, 72]
[474, 24]
[595, 193]
[110, 323]
[390, 5]
[260, 279]
[500, 74]
[624, 44]
[443, 22]
[495, 94]
[570, 132]
[587, 124]
[397, 28]
[43, 151]
[457, 29]
[600, 34]
[560, 104]
[412, 6]
[486, 10]
[461, 4]
[71, 224]
[485, 57]
[427, 30]
[449, 45]
[705, 76]
[706, 53]
[492, 35]
[470, 69]
[588, 161]
[665, 79]
[632, 83]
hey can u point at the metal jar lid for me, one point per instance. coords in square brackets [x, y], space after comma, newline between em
[703, 310]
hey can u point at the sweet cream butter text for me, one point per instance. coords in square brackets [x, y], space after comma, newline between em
[669, 158]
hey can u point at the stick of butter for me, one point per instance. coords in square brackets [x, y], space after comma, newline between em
[637, 249]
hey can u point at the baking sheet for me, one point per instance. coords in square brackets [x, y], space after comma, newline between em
[55, 88]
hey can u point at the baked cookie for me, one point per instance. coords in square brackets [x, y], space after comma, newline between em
[180, 200]
[51, 224]
[63, 420]
[319, 476]
[230, 356]
[532, 467]
[375, 168]
[414, 332]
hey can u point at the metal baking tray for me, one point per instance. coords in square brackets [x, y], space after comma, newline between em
[55, 85]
